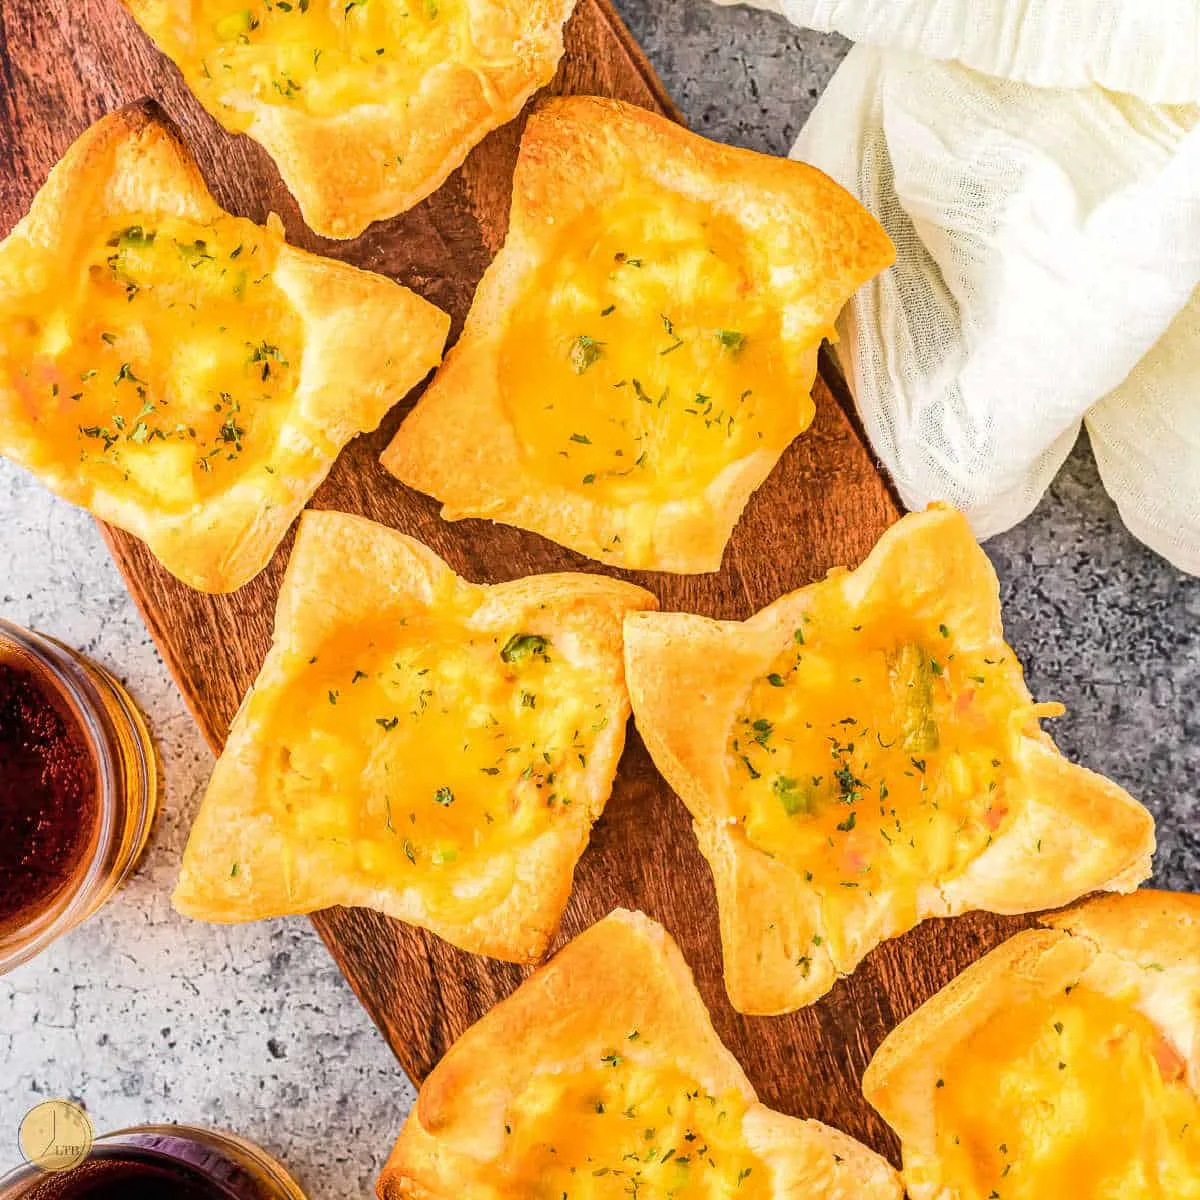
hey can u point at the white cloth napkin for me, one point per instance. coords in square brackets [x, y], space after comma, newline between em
[1048, 237]
[1149, 48]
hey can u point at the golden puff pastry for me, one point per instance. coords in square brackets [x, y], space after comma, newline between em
[1065, 1065]
[602, 1077]
[182, 373]
[641, 352]
[366, 106]
[863, 754]
[416, 744]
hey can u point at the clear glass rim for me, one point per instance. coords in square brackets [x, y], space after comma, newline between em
[88, 708]
[238, 1147]
[241, 1151]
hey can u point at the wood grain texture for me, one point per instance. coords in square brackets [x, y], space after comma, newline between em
[63, 64]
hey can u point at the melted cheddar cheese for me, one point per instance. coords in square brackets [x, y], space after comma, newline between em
[320, 56]
[420, 749]
[159, 358]
[622, 1127]
[1078, 1095]
[649, 357]
[873, 758]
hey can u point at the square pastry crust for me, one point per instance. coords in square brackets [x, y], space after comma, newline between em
[431, 748]
[863, 754]
[602, 1077]
[643, 348]
[1066, 1063]
[366, 106]
[185, 374]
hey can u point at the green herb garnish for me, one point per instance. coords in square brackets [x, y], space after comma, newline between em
[585, 351]
[794, 798]
[525, 645]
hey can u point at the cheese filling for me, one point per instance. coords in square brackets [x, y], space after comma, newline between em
[1078, 1095]
[158, 360]
[323, 57]
[422, 750]
[873, 758]
[621, 1128]
[646, 359]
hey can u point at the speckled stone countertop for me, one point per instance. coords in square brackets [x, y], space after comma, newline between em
[143, 1016]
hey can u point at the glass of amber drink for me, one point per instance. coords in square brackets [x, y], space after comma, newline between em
[78, 788]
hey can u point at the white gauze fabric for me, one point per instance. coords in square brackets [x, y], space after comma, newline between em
[1048, 237]
[1148, 48]
[1146, 437]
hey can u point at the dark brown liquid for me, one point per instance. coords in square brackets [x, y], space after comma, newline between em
[129, 1178]
[49, 803]
[158, 1166]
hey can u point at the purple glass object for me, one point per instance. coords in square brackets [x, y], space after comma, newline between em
[160, 1162]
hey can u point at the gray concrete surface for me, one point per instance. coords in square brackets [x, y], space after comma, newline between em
[146, 1017]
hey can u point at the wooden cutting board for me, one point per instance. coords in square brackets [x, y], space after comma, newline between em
[63, 64]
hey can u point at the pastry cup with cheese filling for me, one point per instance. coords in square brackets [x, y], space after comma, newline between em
[863, 754]
[643, 348]
[185, 374]
[1065, 1063]
[602, 1077]
[366, 106]
[416, 744]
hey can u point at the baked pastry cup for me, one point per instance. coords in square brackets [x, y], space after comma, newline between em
[366, 106]
[1065, 1063]
[642, 350]
[185, 374]
[602, 1076]
[863, 754]
[416, 744]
